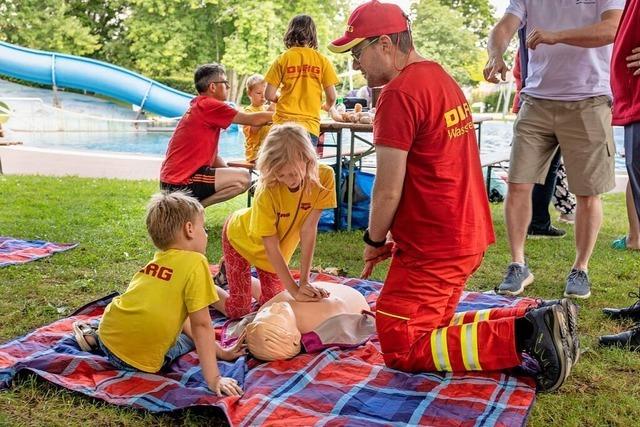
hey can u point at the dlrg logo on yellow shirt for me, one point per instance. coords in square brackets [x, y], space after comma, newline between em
[304, 68]
[458, 121]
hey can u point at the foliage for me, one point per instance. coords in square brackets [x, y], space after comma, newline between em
[47, 25]
[441, 34]
[167, 39]
[477, 15]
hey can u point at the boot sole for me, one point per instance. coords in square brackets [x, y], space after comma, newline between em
[566, 295]
[526, 282]
[571, 316]
[558, 328]
[540, 237]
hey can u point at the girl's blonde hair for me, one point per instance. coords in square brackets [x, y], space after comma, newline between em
[287, 144]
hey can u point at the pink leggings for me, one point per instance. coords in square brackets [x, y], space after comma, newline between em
[238, 275]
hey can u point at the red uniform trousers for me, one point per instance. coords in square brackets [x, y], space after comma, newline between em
[238, 272]
[419, 330]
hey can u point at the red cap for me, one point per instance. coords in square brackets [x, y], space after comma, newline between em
[369, 20]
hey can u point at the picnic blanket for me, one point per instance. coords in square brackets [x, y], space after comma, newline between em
[16, 251]
[334, 387]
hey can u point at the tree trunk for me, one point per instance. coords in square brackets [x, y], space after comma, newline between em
[243, 82]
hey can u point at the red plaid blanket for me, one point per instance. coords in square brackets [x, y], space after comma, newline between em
[334, 387]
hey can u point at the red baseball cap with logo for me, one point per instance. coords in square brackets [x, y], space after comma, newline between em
[369, 20]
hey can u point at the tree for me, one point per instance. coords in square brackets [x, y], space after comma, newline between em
[440, 33]
[476, 14]
[47, 25]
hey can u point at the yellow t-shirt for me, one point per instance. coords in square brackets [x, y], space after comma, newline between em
[142, 324]
[274, 212]
[301, 73]
[253, 140]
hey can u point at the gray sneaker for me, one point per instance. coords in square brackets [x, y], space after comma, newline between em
[578, 285]
[516, 278]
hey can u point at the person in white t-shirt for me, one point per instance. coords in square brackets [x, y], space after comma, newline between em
[566, 102]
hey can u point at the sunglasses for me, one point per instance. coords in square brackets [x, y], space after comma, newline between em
[356, 55]
[226, 83]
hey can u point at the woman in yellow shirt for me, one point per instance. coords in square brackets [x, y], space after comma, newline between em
[292, 191]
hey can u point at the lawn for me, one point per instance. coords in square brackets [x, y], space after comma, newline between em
[107, 218]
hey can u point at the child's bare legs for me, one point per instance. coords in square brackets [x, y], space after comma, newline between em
[633, 238]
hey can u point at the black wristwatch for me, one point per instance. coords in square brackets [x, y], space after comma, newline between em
[370, 242]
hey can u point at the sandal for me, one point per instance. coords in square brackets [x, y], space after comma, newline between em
[620, 244]
[220, 278]
[80, 331]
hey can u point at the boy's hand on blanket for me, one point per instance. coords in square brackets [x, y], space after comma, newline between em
[225, 385]
[238, 349]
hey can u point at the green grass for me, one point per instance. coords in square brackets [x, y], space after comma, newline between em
[107, 218]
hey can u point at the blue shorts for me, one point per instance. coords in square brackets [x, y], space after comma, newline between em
[183, 345]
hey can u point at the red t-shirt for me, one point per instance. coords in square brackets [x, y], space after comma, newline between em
[626, 86]
[194, 143]
[443, 210]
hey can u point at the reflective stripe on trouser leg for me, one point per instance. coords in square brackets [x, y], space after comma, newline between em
[469, 347]
[464, 317]
[440, 350]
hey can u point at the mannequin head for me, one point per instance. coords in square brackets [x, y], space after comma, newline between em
[274, 334]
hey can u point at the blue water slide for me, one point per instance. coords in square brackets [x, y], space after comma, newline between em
[76, 72]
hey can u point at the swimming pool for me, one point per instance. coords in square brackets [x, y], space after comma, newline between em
[496, 136]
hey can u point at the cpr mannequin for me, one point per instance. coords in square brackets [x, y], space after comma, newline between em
[276, 331]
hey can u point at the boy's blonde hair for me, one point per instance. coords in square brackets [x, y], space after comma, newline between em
[167, 213]
[287, 144]
[254, 80]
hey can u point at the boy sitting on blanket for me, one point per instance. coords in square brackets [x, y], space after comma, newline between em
[165, 309]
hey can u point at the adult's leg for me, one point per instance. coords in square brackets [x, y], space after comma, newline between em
[412, 321]
[541, 197]
[229, 182]
[632, 158]
[586, 139]
[517, 213]
[588, 222]
[632, 240]
[534, 145]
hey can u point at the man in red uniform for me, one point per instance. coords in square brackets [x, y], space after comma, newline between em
[192, 162]
[625, 84]
[429, 195]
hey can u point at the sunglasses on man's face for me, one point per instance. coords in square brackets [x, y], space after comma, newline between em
[356, 54]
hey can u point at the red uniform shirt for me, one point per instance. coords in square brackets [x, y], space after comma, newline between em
[194, 143]
[443, 210]
[626, 86]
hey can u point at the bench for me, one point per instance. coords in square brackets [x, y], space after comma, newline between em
[492, 161]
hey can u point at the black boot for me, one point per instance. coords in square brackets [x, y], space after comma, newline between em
[632, 312]
[547, 343]
[628, 339]
[570, 310]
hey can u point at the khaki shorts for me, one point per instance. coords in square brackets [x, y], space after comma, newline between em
[583, 131]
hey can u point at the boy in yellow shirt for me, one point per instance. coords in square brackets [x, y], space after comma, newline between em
[254, 135]
[165, 309]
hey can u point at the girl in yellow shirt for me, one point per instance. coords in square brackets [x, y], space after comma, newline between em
[292, 191]
[302, 74]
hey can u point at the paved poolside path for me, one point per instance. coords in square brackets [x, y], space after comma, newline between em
[20, 160]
